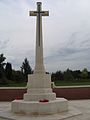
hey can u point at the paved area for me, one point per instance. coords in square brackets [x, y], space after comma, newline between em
[81, 105]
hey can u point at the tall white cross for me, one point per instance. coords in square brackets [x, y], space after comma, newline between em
[39, 65]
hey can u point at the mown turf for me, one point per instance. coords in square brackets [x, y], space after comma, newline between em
[72, 83]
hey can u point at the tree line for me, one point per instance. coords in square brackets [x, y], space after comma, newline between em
[70, 75]
[8, 75]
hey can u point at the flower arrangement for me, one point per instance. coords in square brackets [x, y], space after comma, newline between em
[18, 98]
[44, 100]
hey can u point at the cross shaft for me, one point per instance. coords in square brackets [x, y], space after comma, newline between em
[39, 13]
[39, 66]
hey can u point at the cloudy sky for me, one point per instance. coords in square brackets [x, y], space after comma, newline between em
[66, 33]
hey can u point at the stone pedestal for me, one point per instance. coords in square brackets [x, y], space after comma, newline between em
[40, 108]
[39, 88]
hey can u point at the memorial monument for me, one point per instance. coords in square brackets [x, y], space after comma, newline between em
[39, 98]
[39, 103]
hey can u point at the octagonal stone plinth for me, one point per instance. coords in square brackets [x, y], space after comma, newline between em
[36, 107]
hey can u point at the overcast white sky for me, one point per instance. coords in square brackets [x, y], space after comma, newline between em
[66, 33]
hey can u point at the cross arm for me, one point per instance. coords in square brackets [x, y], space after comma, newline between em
[45, 13]
[32, 13]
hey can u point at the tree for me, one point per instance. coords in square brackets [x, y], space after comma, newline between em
[84, 73]
[57, 76]
[17, 76]
[68, 75]
[26, 68]
[88, 75]
[8, 71]
[76, 74]
[2, 64]
[3, 79]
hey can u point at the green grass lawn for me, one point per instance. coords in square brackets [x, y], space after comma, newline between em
[23, 84]
[57, 83]
[72, 83]
[14, 84]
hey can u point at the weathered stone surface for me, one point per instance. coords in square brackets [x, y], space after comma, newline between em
[36, 107]
[39, 84]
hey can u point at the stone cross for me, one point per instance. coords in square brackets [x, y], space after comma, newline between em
[39, 99]
[39, 66]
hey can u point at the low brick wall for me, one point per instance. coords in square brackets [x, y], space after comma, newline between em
[11, 93]
[74, 93]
